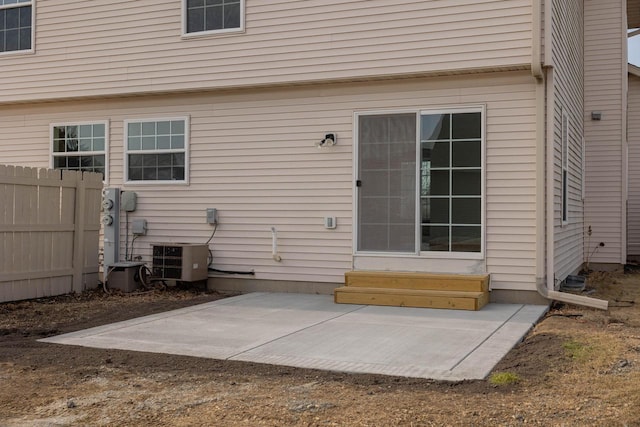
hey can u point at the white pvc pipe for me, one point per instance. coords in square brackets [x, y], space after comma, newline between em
[274, 245]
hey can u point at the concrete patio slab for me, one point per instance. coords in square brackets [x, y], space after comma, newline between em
[310, 331]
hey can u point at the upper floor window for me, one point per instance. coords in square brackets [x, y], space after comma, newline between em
[156, 150]
[16, 25]
[80, 147]
[213, 16]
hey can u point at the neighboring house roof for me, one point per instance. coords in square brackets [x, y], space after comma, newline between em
[634, 70]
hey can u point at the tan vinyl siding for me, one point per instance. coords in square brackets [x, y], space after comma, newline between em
[108, 48]
[253, 158]
[567, 51]
[634, 167]
[605, 91]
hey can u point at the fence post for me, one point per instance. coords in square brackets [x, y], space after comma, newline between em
[78, 234]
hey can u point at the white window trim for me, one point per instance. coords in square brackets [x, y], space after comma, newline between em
[474, 108]
[565, 134]
[52, 154]
[225, 31]
[32, 3]
[187, 160]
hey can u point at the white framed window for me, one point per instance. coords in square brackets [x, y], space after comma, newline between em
[80, 146]
[17, 26]
[565, 167]
[420, 182]
[203, 17]
[156, 150]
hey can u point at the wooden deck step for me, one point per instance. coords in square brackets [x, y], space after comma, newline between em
[459, 300]
[417, 281]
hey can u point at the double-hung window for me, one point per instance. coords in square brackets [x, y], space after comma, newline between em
[156, 150]
[420, 182]
[212, 16]
[16, 25]
[80, 146]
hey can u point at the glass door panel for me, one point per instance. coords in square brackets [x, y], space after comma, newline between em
[387, 183]
[451, 182]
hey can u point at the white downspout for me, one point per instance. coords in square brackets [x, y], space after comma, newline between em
[537, 72]
[548, 13]
[625, 142]
[536, 39]
[549, 291]
[550, 180]
[541, 202]
[546, 139]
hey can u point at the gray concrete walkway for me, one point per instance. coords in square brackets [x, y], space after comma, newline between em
[310, 331]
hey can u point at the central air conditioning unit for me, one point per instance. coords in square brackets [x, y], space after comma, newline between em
[185, 262]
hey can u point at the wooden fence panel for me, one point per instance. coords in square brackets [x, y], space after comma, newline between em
[49, 226]
[92, 228]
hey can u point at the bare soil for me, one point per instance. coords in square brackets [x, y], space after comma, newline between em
[577, 367]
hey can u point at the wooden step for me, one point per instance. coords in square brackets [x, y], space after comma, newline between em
[458, 300]
[417, 281]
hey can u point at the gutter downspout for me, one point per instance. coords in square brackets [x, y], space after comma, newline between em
[625, 143]
[550, 193]
[549, 143]
[546, 139]
[536, 39]
[540, 86]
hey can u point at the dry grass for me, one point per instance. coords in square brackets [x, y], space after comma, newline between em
[603, 347]
[578, 367]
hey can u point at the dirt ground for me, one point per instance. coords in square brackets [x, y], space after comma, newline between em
[578, 367]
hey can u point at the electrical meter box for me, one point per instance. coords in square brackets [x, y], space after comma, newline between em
[185, 262]
[125, 276]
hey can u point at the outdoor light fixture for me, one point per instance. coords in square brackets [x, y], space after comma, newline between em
[329, 140]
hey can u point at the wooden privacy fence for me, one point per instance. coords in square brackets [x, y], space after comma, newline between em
[49, 227]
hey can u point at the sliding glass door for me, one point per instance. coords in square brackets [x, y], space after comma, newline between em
[387, 183]
[420, 182]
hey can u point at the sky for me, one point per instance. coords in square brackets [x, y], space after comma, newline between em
[634, 50]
